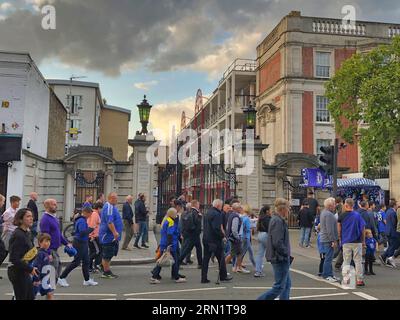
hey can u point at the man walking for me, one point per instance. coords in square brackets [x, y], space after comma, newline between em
[306, 219]
[351, 231]
[8, 220]
[213, 241]
[140, 219]
[110, 233]
[393, 235]
[313, 206]
[278, 252]
[191, 230]
[233, 228]
[34, 209]
[329, 237]
[49, 224]
[127, 216]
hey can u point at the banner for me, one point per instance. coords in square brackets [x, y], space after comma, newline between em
[314, 177]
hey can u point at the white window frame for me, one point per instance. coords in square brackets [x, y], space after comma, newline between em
[316, 110]
[74, 109]
[331, 62]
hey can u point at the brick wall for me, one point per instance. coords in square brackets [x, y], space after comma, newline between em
[56, 134]
[270, 72]
[341, 55]
[308, 122]
[308, 62]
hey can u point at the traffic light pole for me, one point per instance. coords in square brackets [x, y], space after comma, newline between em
[335, 168]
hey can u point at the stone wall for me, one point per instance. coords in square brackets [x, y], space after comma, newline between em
[56, 136]
[46, 178]
[123, 177]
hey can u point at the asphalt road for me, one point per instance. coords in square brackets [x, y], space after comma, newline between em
[133, 284]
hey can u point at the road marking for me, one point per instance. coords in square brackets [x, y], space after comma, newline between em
[320, 296]
[79, 294]
[365, 296]
[172, 291]
[157, 299]
[293, 288]
[311, 276]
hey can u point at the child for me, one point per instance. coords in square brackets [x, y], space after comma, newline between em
[370, 242]
[43, 259]
[94, 243]
[81, 244]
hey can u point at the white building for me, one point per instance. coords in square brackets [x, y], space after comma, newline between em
[26, 105]
[83, 99]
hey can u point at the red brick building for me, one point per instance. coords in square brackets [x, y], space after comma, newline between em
[294, 62]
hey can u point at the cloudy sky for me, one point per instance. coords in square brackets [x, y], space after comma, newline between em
[166, 49]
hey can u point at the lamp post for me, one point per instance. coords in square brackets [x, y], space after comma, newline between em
[144, 114]
[250, 113]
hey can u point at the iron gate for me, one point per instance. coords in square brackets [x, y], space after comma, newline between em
[88, 183]
[295, 195]
[208, 182]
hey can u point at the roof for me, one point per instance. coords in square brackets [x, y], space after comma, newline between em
[74, 83]
[118, 109]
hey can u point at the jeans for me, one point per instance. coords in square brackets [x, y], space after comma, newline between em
[353, 250]
[247, 247]
[142, 232]
[262, 247]
[188, 244]
[305, 236]
[174, 269]
[327, 266]
[128, 228]
[217, 249]
[94, 253]
[281, 287]
[394, 243]
[81, 256]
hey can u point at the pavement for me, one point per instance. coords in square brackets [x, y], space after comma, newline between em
[133, 282]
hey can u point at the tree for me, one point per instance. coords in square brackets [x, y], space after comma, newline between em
[367, 89]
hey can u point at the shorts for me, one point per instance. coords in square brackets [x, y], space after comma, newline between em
[236, 248]
[110, 250]
[42, 291]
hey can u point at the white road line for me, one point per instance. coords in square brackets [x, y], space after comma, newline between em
[172, 291]
[157, 299]
[320, 296]
[292, 288]
[311, 276]
[80, 294]
[365, 296]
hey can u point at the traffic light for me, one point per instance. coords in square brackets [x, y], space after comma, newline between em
[328, 159]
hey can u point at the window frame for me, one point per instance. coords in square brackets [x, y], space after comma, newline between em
[316, 110]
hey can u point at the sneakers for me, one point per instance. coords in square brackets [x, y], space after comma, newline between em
[259, 275]
[180, 280]
[154, 281]
[109, 275]
[205, 281]
[383, 261]
[90, 282]
[228, 278]
[360, 283]
[137, 246]
[308, 247]
[145, 246]
[390, 261]
[243, 271]
[62, 283]
[332, 279]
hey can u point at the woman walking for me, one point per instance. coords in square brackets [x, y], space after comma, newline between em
[22, 251]
[170, 235]
[246, 240]
[262, 229]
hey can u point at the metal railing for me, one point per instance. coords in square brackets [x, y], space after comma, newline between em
[240, 65]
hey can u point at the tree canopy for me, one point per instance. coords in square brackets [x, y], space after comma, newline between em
[366, 89]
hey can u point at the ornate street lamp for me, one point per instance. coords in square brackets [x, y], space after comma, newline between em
[144, 114]
[250, 113]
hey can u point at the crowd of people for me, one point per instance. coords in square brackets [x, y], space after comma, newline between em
[225, 232]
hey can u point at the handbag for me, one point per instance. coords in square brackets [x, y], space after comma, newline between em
[166, 259]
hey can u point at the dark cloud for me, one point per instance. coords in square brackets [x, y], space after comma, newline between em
[107, 36]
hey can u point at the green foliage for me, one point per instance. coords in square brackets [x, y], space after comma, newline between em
[367, 88]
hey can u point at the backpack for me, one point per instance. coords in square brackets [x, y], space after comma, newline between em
[187, 222]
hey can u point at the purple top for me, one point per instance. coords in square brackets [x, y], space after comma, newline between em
[49, 224]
